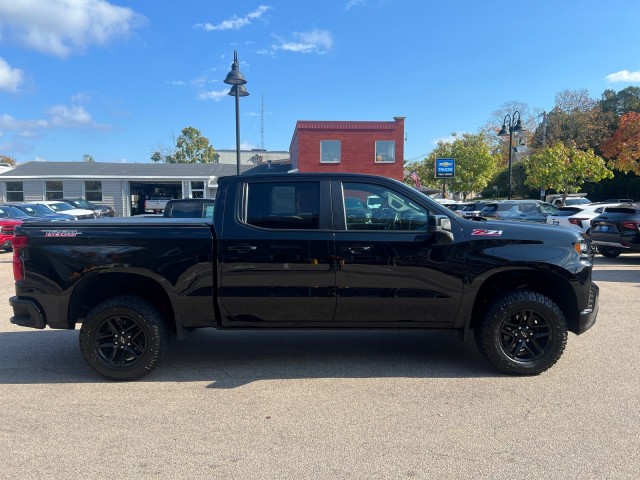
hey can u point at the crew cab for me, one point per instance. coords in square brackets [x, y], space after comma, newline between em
[281, 252]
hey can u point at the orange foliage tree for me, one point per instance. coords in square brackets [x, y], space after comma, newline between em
[623, 147]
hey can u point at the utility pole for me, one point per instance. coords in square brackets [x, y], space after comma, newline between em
[544, 144]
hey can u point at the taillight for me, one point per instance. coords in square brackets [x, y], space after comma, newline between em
[19, 244]
[577, 221]
[631, 225]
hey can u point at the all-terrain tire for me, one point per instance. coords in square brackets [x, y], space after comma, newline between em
[123, 338]
[523, 333]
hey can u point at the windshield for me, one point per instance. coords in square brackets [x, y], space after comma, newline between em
[60, 207]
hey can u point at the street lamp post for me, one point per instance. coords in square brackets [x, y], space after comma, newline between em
[237, 82]
[510, 124]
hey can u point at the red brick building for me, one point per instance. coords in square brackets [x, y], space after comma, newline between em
[361, 147]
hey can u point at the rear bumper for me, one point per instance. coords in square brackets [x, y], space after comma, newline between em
[589, 314]
[27, 313]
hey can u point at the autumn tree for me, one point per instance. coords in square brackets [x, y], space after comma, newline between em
[190, 147]
[564, 168]
[623, 148]
[475, 164]
[7, 159]
[575, 119]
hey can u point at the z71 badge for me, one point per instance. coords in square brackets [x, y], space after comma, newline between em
[486, 233]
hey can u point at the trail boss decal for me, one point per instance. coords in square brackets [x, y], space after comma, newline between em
[61, 233]
[486, 233]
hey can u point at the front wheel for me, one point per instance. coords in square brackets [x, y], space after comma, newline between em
[609, 252]
[523, 333]
[123, 338]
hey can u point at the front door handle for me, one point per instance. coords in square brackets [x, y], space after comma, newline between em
[242, 248]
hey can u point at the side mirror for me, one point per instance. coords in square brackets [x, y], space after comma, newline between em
[440, 226]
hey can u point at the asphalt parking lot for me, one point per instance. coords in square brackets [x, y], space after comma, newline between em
[324, 405]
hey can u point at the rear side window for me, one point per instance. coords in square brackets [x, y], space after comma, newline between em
[283, 205]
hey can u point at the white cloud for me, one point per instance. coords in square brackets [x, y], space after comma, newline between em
[57, 116]
[623, 76]
[62, 27]
[10, 78]
[213, 95]
[314, 41]
[235, 23]
[355, 3]
[74, 116]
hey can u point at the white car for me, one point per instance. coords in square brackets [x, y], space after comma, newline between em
[63, 207]
[578, 216]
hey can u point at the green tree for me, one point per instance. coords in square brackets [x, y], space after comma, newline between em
[564, 168]
[191, 147]
[88, 158]
[475, 164]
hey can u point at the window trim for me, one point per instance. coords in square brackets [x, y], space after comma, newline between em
[379, 154]
[339, 160]
[9, 192]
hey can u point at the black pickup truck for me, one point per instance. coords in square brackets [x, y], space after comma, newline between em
[282, 251]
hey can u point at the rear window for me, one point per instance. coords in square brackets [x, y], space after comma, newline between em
[567, 211]
[625, 210]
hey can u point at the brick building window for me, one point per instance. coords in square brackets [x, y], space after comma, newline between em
[93, 191]
[330, 151]
[385, 151]
[15, 192]
[54, 190]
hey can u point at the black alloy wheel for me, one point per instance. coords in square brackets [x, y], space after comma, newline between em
[123, 338]
[523, 333]
[609, 252]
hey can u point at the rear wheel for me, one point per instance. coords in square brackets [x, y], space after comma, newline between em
[123, 338]
[609, 252]
[523, 333]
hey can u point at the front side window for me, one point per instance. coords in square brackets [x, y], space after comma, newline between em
[385, 151]
[54, 190]
[15, 192]
[283, 205]
[330, 151]
[374, 207]
[93, 191]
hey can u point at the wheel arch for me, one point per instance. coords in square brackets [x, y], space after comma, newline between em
[96, 288]
[549, 284]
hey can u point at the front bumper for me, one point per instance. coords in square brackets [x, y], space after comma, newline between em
[589, 314]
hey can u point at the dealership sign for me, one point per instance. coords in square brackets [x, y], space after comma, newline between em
[445, 167]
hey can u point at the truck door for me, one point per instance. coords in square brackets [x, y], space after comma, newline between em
[391, 268]
[276, 255]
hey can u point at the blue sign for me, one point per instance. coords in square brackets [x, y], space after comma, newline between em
[445, 167]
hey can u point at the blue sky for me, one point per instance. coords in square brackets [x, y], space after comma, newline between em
[117, 79]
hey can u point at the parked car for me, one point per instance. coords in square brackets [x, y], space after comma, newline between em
[617, 230]
[578, 216]
[38, 211]
[7, 228]
[8, 211]
[457, 207]
[189, 208]
[99, 210]
[522, 210]
[473, 209]
[58, 206]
